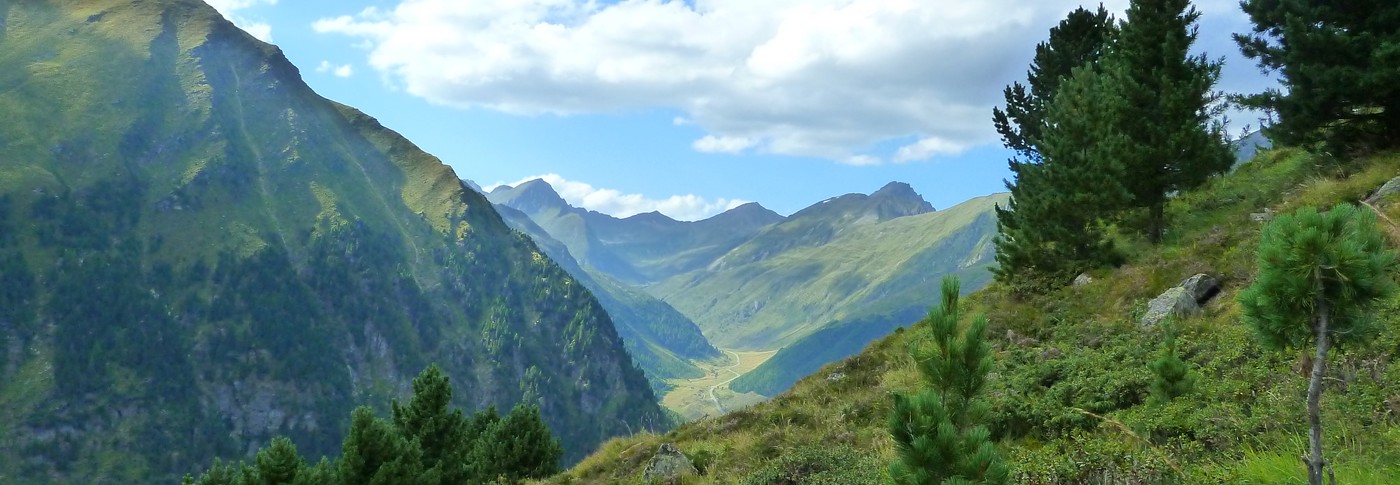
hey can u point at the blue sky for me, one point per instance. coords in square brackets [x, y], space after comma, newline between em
[692, 107]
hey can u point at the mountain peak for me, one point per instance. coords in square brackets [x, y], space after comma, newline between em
[898, 199]
[529, 197]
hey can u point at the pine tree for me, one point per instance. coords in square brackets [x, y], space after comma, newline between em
[374, 453]
[517, 446]
[278, 464]
[937, 430]
[1057, 228]
[1337, 61]
[1319, 275]
[1163, 104]
[1042, 239]
[440, 432]
[1172, 377]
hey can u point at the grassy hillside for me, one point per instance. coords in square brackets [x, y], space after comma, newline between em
[198, 253]
[1069, 391]
[860, 270]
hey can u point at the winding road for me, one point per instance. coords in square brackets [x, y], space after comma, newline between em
[729, 369]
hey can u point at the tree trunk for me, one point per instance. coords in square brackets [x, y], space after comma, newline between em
[1155, 222]
[1315, 461]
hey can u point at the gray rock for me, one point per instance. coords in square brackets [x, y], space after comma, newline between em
[668, 466]
[1265, 216]
[1390, 187]
[1082, 279]
[1202, 287]
[1176, 301]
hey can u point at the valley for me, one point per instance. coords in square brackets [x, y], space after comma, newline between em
[710, 395]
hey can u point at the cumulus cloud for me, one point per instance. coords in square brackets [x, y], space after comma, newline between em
[343, 70]
[256, 28]
[823, 78]
[613, 202]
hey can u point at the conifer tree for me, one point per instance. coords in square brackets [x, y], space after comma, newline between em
[517, 446]
[1319, 275]
[1337, 61]
[1042, 236]
[938, 430]
[374, 453]
[1163, 105]
[278, 464]
[1172, 377]
[439, 431]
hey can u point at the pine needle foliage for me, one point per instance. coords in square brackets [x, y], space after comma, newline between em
[1172, 377]
[1337, 62]
[1047, 234]
[938, 431]
[1320, 274]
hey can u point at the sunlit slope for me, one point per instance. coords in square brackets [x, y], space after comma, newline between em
[868, 269]
[200, 253]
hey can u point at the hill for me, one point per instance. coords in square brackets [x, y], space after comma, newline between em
[200, 253]
[1069, 390]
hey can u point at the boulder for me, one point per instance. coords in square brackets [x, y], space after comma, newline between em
[1265, 216]
[668, 466]
[1202, 287]
[1390, 187]
[1082, 279]
[1176, 301]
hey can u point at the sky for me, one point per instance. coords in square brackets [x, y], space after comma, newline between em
[693, 107]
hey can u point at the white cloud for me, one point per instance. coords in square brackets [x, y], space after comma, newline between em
[926, 148]
[344, 70]
[256, 28]
[723, 144]
[823, 78]
[687, 207]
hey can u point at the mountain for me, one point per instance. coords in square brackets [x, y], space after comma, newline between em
[819, 284]
[198, 253]
[845, 257]
[1069, 394]
[661, 340]
[637, 250]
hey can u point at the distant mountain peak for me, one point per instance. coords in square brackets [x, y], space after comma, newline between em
[653, 216]
[898, 199]
[529, 197]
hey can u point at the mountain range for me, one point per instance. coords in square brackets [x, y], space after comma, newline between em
[819, 284]
[198, 253]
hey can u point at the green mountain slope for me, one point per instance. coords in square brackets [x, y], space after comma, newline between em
[1069, 393]
[659, 338]
[838, 260]
[200, 253]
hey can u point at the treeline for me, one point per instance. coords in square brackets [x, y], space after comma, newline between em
[1116, 116]
[424, 441]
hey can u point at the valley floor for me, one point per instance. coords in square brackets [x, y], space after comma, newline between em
[710, 395]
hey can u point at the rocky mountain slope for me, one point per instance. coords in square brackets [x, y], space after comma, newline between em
[197, 253]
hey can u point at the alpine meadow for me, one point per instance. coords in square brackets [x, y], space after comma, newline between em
[211, 273]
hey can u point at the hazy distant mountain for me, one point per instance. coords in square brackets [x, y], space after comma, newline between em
[197, 253]
[659, 338]
[641, 249]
